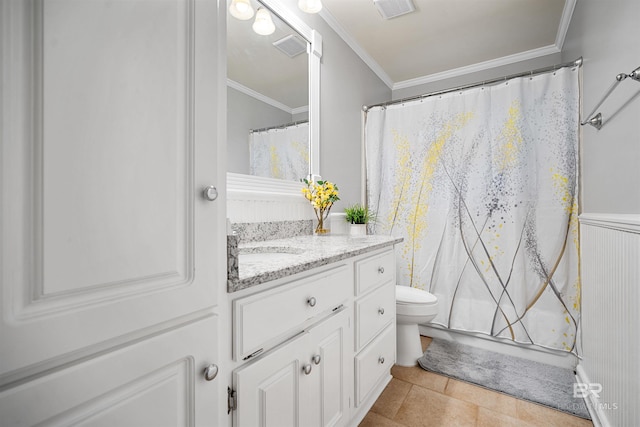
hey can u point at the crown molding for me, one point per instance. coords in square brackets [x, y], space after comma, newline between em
[480, 66]
[565, 20]
[298, 110]
[355, 46]
[260, 97]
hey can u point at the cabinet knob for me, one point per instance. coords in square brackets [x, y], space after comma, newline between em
[381, 270]
[210, 372]
[306, 369]
[312, 302]
[381, 311]
[316, 359]
[210, 193]
[381, 360]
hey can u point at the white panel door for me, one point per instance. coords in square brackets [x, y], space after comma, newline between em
[109, 136]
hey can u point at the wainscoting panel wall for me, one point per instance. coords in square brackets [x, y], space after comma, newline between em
[258, 199]
[610, 249]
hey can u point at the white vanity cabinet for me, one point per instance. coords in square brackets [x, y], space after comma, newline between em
[304, 382]
[315, 350]
[375, 332]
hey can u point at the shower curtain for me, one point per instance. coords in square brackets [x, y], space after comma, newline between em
[482, 184]
[280, 152]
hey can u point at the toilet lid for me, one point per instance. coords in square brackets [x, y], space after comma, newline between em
[409, 295]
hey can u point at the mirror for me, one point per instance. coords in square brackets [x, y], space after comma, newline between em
[267, 99]
[272, 96]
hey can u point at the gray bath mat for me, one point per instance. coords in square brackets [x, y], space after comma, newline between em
[521, 378]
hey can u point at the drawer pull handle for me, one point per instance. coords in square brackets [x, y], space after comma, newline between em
[381, 270]
[316, 359]
[381, 311]
[306, 369]
[312, 302]
[381, 360]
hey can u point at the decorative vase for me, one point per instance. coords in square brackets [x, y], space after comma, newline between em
[358, 229]
[322, 215]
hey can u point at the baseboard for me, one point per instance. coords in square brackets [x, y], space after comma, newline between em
[361, 411]
[598, 418]
[539, 354]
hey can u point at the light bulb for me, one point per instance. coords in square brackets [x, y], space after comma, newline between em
[310, 6]
[263, 24]
[241, 9]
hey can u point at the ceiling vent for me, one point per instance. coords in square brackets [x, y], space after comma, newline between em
[394, 8]
[291, 45]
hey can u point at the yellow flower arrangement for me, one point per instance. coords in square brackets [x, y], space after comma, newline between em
[322, 195]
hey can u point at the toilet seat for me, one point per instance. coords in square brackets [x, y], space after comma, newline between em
[414, 302]
[409, 295]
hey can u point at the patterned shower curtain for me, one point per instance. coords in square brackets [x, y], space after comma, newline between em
[482, 184]
[281, 152]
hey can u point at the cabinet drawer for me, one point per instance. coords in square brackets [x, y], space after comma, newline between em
[374, 271]
[373, 312]
[374, 362]
[261, 318]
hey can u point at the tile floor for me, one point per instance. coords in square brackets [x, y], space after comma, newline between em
[415, 397]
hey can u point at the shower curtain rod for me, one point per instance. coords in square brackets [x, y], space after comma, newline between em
[286, 125]
[575, 63]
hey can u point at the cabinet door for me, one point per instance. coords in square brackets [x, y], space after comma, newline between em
[326, 401]
[268, 389]
[107, 242]
[156, 382]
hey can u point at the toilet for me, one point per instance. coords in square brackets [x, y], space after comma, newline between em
[413, 307]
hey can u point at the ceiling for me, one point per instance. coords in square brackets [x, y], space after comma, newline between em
[444, 38]
[441, 39]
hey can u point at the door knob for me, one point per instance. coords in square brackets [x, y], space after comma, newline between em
[381, 311]
[316, 359]
[210, 372]
[306, 369]
[312, 302]
[211, 193]
[381, 270]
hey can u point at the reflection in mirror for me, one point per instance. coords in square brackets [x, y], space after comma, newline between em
[267, 99]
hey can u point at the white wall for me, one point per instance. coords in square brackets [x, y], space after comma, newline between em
[605, 33]
[347, 85]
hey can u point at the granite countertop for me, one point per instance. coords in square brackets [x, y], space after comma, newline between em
[297, 254]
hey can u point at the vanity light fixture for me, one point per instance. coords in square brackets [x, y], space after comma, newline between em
[241, 9]
[310, 6]
[263, 24]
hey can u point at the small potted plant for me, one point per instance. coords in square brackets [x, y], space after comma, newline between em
[358, 216]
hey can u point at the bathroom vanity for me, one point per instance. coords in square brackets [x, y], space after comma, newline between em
[313, 330]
